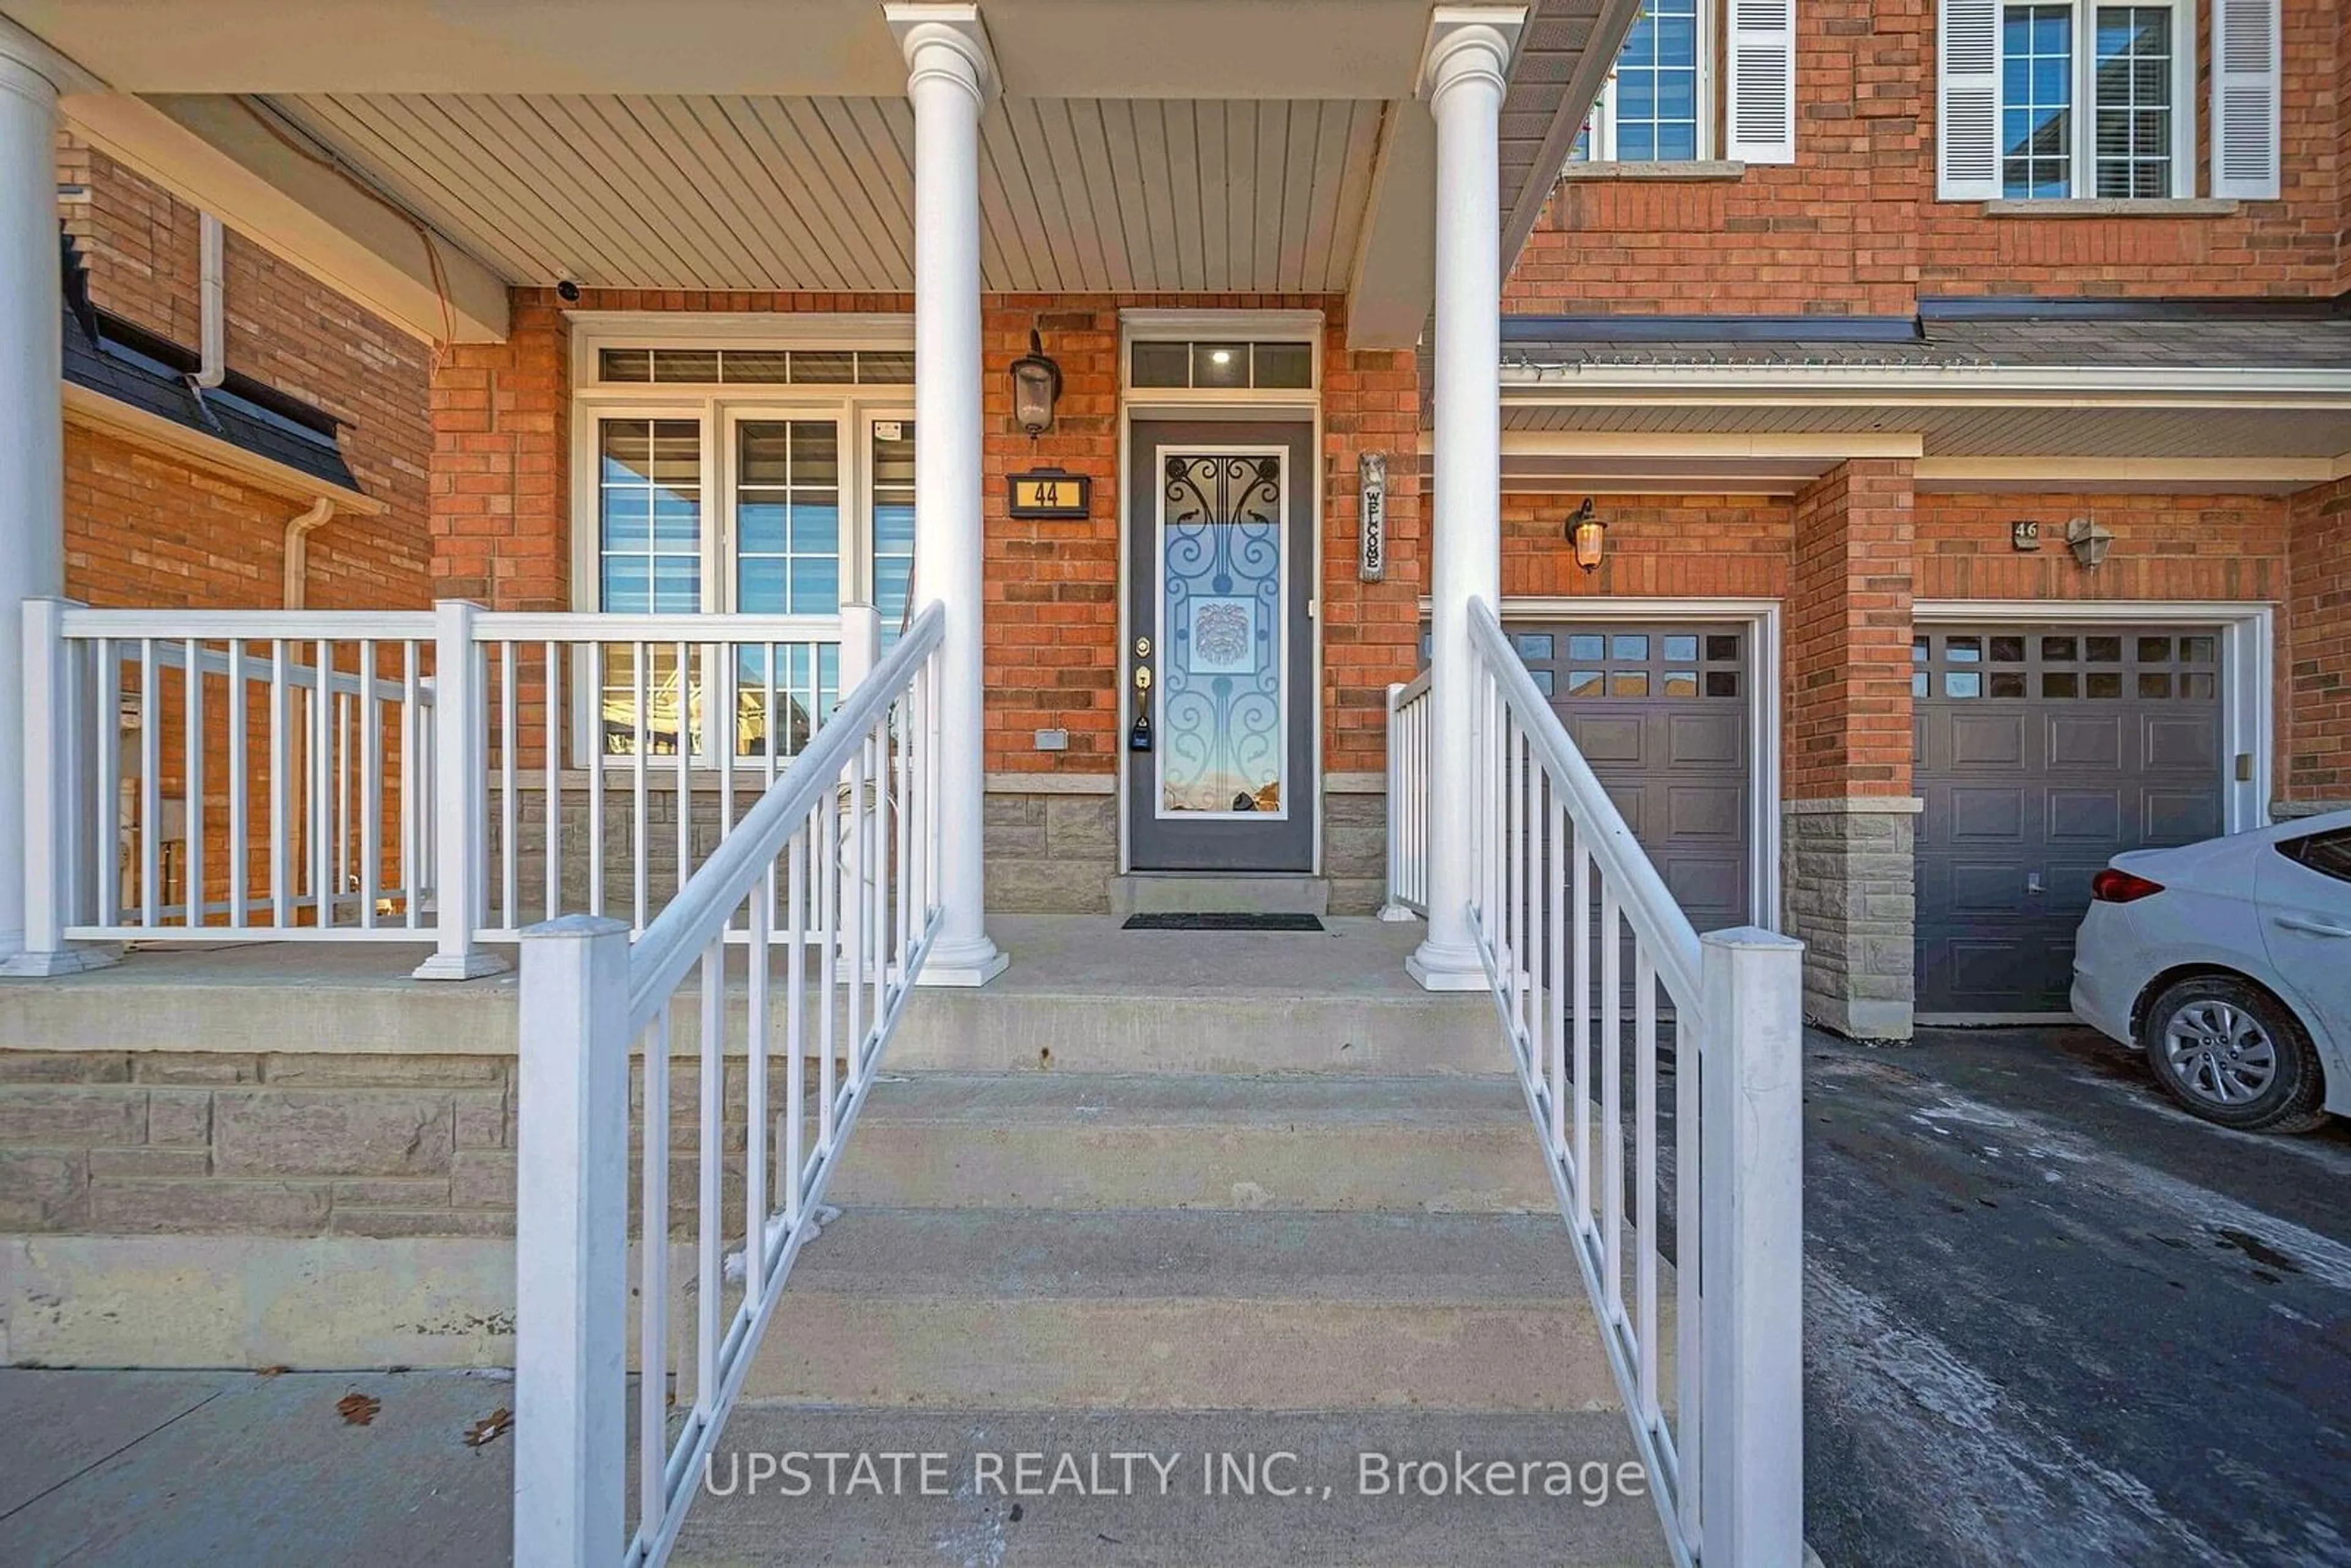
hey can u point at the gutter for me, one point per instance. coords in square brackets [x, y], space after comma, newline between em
[2099, 385]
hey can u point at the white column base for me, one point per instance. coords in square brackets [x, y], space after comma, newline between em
[79, 958]
[459, 966]
[1445, 969]
[967, 965]
[1396, 914]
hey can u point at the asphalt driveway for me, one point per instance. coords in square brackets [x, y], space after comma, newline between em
[2051, 1319]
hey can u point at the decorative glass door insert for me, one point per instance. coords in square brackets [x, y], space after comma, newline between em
[1223, 574]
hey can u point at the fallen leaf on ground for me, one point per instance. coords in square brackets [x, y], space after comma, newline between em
[359, 1409]
[489, 1428]
[273, 1371]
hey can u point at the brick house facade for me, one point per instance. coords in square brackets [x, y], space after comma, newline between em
[1677, 333]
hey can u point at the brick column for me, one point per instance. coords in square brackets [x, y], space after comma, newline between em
[501, 422]
[1849, 817]
[2317, 633]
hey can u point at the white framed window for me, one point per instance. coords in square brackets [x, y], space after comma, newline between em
[2067, 100]
[728, 474]
[1660, 104]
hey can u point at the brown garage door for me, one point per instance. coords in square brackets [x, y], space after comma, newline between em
[1660, 711]
[2040, 752]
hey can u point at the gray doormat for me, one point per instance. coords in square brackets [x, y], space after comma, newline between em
[1234, 922]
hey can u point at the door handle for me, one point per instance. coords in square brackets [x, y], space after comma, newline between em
[2315, 927]
[1138, 738]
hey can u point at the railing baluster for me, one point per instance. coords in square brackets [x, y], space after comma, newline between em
[371, 786]
[759, 956]
[324, 894]
[652, 1285]
[510, 850]
[281, 787]
[828, 896]
[794, 1157]
[685, 747]
[107, 809]
[1580, 913]
[641, 838]
[552, 768]
[710, 1164]
[592, 702]
[151, 810]
[412, 785]
[193, 688]
[1554, 889]
[1611, 1008]
[1644, 1180]
[240, 822]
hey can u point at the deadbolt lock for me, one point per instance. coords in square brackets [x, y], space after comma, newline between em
[1143, 647]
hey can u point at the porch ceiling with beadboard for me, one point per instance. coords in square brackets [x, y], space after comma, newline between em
[1204, 146]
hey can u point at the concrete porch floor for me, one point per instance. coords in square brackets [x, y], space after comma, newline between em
[1081, 992]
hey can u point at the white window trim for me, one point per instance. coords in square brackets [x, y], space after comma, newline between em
[718, 407]
[2248, 653]
[2083, 184]
[1711, 113]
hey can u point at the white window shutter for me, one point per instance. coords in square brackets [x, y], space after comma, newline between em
[1967, 100]
[1762, 90]
[2246, 90]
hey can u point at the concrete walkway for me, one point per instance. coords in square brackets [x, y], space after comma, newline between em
[193, 1468]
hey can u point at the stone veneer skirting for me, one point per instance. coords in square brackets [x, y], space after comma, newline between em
[1847, 880]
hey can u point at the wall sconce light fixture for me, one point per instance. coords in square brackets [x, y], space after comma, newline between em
[1036, 388]
[1588, 534]
[2088, 541]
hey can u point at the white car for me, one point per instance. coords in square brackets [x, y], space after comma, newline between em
[2228, 963]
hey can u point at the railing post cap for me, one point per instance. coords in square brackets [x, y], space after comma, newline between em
[1750, 938]
[576, 926]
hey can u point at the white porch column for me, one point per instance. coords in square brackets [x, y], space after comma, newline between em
[1464, 75]
[32, 433]
[950, 77]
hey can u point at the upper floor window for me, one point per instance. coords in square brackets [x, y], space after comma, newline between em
[1660, 104]
[2051, 100]
[2092, 100]
[1656, 106]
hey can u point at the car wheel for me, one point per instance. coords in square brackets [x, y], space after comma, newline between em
[2232, 1053]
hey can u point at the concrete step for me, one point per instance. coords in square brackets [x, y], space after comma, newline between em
[1326, 1507]
[1019, 1309]
[1084, 1141]
[1189, 893]
[1086, 995]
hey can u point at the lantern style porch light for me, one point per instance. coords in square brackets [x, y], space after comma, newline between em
[1036, 388]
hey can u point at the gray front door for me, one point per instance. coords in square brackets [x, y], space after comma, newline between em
[1219, 653]
[2042, 752]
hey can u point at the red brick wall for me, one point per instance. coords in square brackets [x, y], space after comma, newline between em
[1847, 634]
[2165, 547]
[1853, 226]
[1697, 546]
[2317, 662]
[501, 518]
[284, 328]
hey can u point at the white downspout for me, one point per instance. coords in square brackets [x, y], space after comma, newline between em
[212, 298]
[297, 548]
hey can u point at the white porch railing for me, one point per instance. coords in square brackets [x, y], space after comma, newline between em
[1566, 909]
[1407, 802]
[839, 858]
[449, 776]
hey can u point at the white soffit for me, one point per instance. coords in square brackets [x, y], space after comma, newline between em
[666, 192]
[1045, 48]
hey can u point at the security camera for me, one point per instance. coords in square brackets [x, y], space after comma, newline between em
[568, 291]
